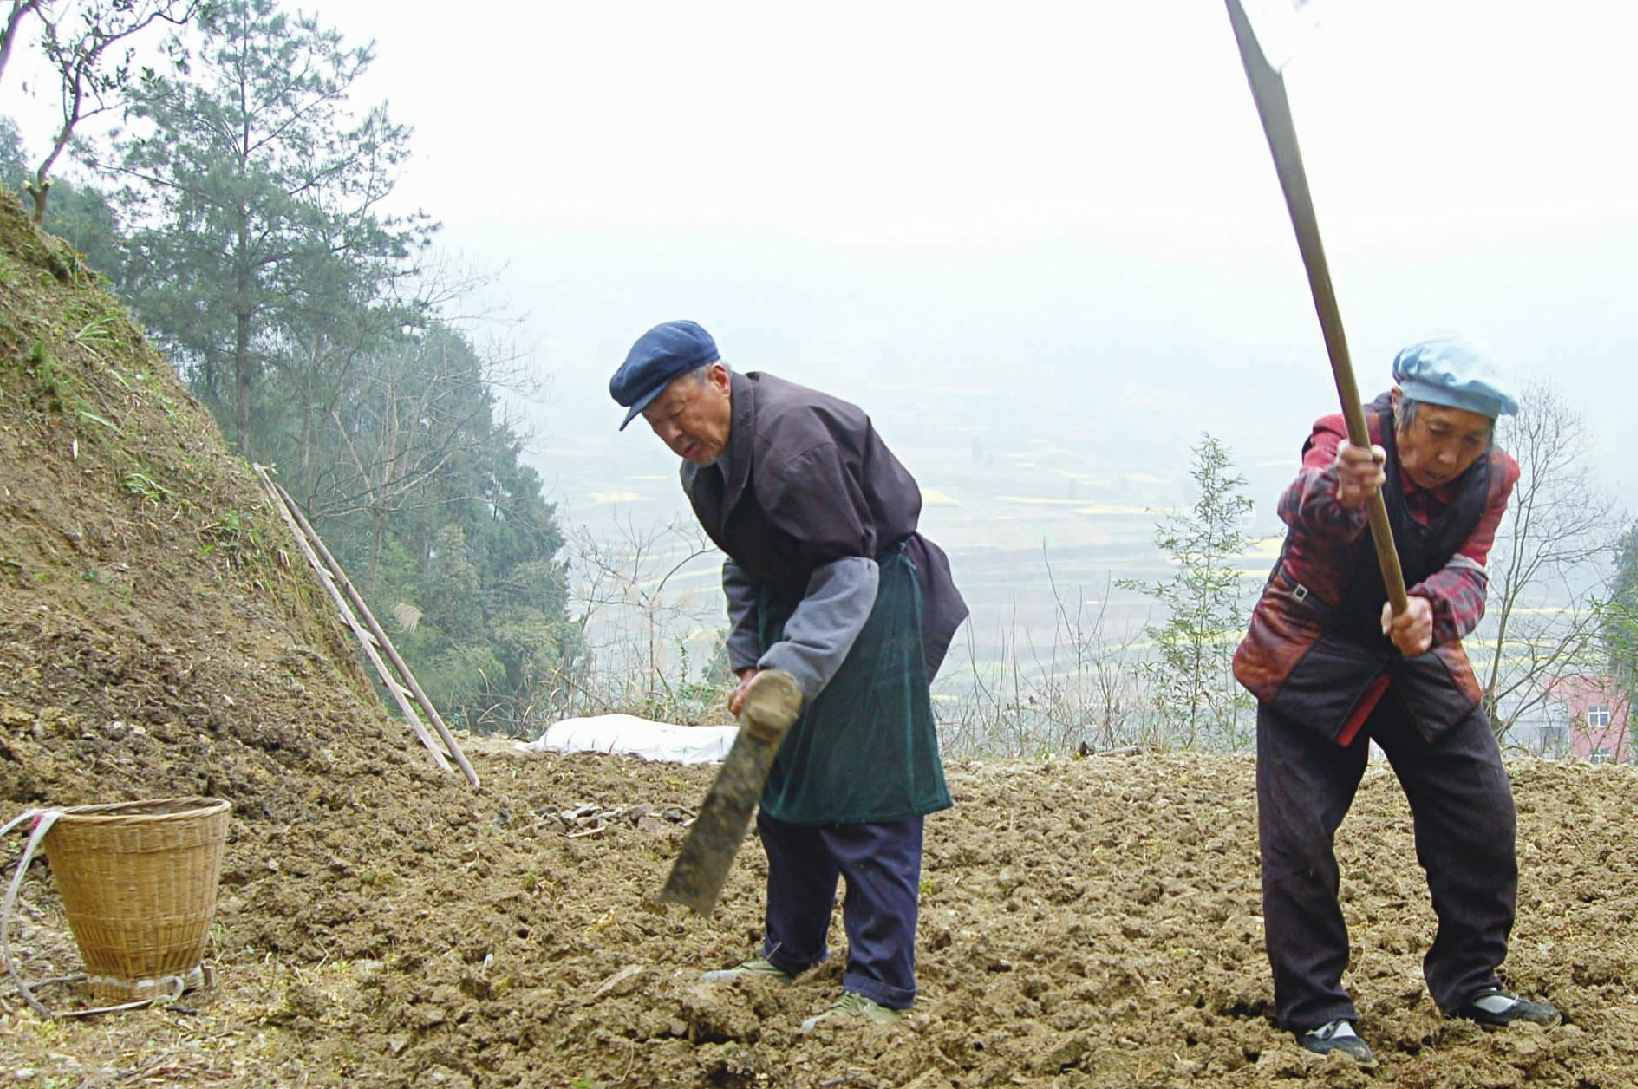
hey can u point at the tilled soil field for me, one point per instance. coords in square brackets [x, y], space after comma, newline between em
[1085, 923]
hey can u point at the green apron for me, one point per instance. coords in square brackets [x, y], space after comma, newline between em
[865, 750]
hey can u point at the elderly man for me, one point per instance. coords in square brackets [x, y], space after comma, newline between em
[828, 580]
[1333, 670]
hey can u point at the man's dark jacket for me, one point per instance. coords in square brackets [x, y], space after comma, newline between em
[810, 482]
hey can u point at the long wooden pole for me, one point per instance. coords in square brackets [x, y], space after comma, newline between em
[382, 639]
[348, 617]
[1268, 91]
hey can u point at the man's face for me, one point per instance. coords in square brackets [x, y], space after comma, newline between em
[1442, 442]
[694, 414]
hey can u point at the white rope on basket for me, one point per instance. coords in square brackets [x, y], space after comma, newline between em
[43, 820]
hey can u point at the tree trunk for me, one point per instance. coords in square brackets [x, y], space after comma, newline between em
[378, 533]
[241, 382]
[241, 344]
[38, 189]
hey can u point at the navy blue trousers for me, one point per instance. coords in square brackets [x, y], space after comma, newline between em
[882, 865]
[1465, 825]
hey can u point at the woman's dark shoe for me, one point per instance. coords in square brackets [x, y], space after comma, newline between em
[1496, 1007]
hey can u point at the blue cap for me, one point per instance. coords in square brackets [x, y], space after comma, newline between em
[1453, 371]
[661, 354]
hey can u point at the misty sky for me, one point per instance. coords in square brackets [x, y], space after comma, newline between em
[1061, 215]
[1068, 205]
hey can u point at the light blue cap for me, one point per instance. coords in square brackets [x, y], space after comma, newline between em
[1453, 371]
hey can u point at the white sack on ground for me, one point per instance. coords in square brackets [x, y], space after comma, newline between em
[630, 735]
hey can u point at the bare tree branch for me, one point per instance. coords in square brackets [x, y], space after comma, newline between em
[1549, 565]
[78, 41]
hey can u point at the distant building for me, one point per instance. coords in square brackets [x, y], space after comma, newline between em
[1595, 709]
[1581, 717]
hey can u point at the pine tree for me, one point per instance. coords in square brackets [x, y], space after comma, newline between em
[1192, 674]
[256, 191]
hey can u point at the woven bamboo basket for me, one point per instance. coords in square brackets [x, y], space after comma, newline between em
[138, 882]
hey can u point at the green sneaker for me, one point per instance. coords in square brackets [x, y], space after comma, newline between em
[1337, 1035]
[856, 1005]
[755, 968]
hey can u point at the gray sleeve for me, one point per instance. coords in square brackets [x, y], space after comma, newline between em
[741, 591]
[829, 618]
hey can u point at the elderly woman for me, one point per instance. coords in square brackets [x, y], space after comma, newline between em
[1333, 669]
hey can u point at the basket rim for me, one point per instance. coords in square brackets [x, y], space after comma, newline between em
[143, 811]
